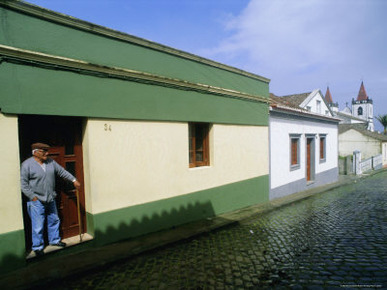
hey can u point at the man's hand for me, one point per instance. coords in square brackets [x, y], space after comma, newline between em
[77, 184]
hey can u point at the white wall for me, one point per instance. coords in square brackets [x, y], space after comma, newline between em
[138, 162]
[352, 140]
[311, 102]
[280, 130]
[10, 193]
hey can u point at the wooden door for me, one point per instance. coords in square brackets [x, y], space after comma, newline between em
[64, 135]
[67, 196]
[308, 159]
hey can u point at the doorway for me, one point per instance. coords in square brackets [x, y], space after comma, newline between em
[64, 135]
[310, 159]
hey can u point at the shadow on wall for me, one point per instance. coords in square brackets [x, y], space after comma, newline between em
[116, 226]
[12, 251]
[133, 221]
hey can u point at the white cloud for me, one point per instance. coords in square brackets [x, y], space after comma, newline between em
[304, 42]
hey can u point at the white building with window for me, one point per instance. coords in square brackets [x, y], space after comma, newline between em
[303, 143]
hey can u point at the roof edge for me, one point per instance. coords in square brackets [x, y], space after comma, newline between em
[27, 57]
[63, 19]
[301, 112]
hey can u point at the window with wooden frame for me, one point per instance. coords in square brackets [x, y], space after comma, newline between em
[323, 148]
[294, 151]
[199, 152]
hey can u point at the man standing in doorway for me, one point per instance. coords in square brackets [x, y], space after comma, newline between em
[38, 184]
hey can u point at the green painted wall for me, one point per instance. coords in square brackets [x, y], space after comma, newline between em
[37, 34]
[12, 251]
[32, 90]
[151, 217]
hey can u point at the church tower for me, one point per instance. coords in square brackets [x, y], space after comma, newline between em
[363, 107]
[328, 98]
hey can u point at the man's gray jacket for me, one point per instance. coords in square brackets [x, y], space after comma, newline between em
[37, 182]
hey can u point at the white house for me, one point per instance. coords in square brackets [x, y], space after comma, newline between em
[356, 137]
[303, 143]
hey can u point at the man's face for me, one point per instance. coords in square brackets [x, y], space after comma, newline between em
[41, 154]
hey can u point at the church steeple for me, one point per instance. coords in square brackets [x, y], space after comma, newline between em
[363, 107]
[362, 96]
[328, 96]
[329, 100]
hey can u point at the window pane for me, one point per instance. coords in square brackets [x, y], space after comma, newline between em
[70, 167]
[69, 144]
[294, 153]
[322, 148]
[199, 136]
[198, 144]
[191, 141]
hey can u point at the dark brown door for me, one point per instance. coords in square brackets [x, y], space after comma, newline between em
[67, 196]
[64, 135]
[308, 159]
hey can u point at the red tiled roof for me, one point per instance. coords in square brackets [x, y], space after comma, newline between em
[285, 101]
[295, 100]
[328, 96]
[362, 96]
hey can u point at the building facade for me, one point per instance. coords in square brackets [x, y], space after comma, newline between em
[354, 137]
[303, 144]
[158, 137]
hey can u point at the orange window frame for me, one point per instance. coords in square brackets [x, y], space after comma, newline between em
[199, 153]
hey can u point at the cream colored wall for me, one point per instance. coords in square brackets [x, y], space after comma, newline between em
[352, 140]
[10, 194]
[132, 162]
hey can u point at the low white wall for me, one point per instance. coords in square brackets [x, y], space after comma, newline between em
[134, 162]
[352, 140]
[280, 131]
[10, 193]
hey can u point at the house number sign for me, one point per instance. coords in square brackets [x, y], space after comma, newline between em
[108, 127]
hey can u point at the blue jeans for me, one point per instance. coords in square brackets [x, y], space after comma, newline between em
[38, 212]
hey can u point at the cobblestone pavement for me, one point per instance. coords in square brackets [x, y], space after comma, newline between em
[333, 239]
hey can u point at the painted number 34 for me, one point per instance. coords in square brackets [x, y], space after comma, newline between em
[107, 127]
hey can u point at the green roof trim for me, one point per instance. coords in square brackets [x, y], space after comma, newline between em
[33, 28]
[31, 58]
[53, 64]
[37, 90]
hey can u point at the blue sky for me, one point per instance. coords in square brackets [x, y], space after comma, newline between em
[301, 45]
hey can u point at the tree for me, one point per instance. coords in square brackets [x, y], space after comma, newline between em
[383, 120]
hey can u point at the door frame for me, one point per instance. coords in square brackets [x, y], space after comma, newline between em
[31, 131]
[310, 157]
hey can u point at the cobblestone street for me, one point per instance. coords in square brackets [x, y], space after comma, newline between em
[333, 239]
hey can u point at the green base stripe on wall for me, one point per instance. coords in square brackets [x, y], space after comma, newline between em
[12, 251]
[163, 214]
